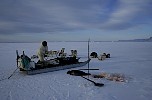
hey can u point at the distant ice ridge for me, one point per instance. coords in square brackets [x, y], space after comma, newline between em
[137, 40]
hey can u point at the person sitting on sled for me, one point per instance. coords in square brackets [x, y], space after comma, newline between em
[42, 51]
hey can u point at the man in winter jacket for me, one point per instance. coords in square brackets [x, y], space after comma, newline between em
[42, 51]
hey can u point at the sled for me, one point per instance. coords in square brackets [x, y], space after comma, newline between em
[29, 67]
[51, 68]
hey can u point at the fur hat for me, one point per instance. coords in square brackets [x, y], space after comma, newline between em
[44, 43]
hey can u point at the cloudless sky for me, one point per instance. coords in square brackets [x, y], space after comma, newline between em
[78, 20]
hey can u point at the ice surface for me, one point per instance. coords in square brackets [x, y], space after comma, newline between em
[132, 59]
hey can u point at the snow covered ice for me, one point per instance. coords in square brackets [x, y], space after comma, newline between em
[132, 59]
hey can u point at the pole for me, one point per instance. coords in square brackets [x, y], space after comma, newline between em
[88, 56]
[89, 69]
[17, 57]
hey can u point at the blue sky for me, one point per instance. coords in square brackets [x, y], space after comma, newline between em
[78, 20]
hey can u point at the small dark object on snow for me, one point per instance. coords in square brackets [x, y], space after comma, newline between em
[108, 55]
[94, 55]
[77, 73]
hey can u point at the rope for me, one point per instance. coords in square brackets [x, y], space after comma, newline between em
[10, 75]
[15, 69]
[3, 79]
